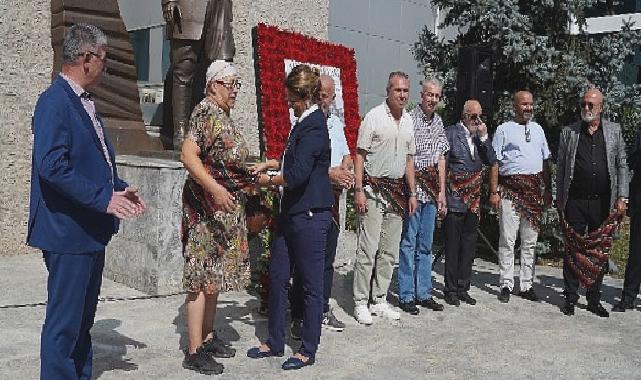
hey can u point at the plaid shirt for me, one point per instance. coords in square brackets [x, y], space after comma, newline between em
[431, 143]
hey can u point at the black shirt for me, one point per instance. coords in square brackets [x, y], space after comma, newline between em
[591, 177]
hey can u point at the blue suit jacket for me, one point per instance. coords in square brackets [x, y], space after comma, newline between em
[70, 177]
[459, 159]
[305, 166]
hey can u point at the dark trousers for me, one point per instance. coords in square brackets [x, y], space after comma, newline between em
[300, 242]
[633, 267]
[460, 249]
[583, 215]
[73, 286]
[296, 294]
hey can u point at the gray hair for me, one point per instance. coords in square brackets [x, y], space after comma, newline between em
[81, 38]
[433, 81]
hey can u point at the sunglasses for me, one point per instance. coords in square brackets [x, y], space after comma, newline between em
[590, 105]
[528, 135]
[235, 85]
[473, 116]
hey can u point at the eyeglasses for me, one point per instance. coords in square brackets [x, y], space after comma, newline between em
[432, 95]
[235, 85]
[473, 116]
[590, 105]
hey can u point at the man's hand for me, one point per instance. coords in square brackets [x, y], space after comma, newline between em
[441, 203]
[621, 206]
[495, 201]
[131, 193]
[224, 199]
[481, 130]
[412, 205]
[262, 167]
[547, 198]
[361, 202]
[168, 10]
[121, 206]
[341, 177]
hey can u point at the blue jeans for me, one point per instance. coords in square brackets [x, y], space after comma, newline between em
[415, 256]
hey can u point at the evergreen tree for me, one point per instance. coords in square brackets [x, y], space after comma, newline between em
[534, 50]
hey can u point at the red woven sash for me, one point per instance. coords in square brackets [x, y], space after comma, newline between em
[427, 179]
[393, 190]
[588, 255]
[525, 192]
[467, 185]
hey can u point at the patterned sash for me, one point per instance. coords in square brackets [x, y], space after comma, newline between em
[393, 190]
[524, 190]
[588, 255]
[427, 180]
[198, 204]
[467, 185]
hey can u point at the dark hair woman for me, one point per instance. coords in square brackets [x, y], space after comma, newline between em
[303, 222]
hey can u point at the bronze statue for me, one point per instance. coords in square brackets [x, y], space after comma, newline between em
[200, 32]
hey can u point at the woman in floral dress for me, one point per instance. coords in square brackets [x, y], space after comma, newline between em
[214, 233]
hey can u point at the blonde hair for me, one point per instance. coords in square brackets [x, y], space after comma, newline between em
[304, 82]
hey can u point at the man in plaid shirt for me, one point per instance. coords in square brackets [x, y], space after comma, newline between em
[415, 259]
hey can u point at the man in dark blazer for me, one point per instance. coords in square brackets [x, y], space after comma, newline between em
[591, 180]
[470, 149]
[76, 202]
[633, 267]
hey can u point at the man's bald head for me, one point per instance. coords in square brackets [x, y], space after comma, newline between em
[523, 106]
[327, 93]
[472, 114]
[592, 105]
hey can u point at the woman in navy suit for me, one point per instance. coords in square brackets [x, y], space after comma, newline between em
[303, 222]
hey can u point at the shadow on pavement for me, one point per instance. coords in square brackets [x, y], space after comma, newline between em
[111, 347]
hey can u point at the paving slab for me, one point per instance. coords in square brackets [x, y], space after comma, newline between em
[141, 338]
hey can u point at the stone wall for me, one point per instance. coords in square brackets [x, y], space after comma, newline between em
[25, 69]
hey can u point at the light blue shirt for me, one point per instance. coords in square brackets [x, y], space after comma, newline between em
[514, 153]
[337, 139]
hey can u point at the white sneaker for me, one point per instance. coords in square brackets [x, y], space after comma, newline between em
[362, 315]
[384, 310]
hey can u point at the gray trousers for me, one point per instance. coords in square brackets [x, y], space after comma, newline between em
[379, 236]
[511, 223]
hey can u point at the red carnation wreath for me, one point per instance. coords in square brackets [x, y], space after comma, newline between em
[274, 46]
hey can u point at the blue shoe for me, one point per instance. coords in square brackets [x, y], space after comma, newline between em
[296, 363]
[256, 353]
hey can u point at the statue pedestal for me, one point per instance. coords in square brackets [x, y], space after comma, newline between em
[147, 253]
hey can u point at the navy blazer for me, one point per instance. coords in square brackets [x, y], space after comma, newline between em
[70, 177]
[459, 159]
[306, 165]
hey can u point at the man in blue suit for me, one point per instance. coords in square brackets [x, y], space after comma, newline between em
[76, 202]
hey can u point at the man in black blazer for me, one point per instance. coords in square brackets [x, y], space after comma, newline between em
[633, 268]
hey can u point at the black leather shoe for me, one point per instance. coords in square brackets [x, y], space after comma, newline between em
[202, 362]
[409, 307]
[529, 295]
[431, 304]
[567, 308]
[623, 306]
[598, 309]
[465, 297]
[296, 363]
[256, 353]
[505, 295]
[452, 299]
[218, 349]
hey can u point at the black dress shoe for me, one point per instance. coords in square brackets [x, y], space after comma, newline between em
[623, 306]
[218, 349]
[452, 299]
[465, 297]
[598, 309]
[409, 307]
[431, 304]
[505, 295]
[529, 295]
[296, 363]
[567, 308]
[256, 353]
[202, 362]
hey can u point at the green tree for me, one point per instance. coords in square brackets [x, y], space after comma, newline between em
[534, 50]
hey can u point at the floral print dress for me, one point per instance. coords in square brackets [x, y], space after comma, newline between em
[215, 244]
